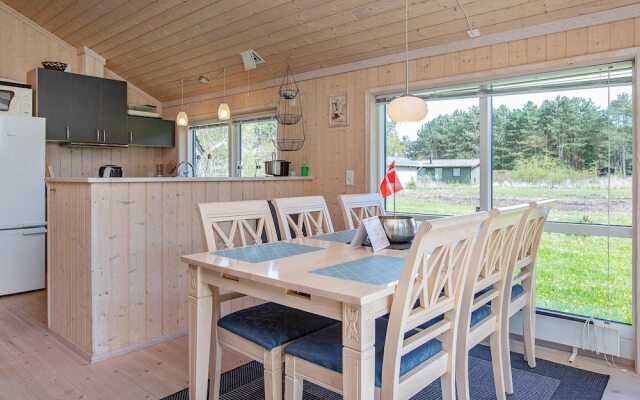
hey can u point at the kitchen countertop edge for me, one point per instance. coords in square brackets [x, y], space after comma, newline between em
[143, 179]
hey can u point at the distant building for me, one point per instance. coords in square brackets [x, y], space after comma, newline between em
[446, 171]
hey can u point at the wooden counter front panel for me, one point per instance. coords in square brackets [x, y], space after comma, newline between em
[115, 279]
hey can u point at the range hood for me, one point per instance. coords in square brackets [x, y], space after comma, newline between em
[92, 144]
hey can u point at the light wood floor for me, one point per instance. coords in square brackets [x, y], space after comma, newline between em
[33, 365]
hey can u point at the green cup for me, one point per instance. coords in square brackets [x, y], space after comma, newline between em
[304, 170]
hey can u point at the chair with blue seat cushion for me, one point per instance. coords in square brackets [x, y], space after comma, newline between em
[260, 331]
[522, 274]
[406, 359]
[302, 216]
[356, 207]
[484, 293]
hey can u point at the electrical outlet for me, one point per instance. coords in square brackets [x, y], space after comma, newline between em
[349, 177]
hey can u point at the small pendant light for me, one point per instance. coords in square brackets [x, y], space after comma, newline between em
[407, 108]
[224, 113]
[182, 119]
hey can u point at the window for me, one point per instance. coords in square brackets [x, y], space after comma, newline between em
[236, 148]
[427, 154]
[210, 150]
[565, 135]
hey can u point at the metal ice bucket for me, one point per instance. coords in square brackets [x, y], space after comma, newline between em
[399, 228]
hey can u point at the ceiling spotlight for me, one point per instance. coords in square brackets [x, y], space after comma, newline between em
[203, 79]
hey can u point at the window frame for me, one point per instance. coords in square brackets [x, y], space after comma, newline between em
[235, 136]
[378, 157]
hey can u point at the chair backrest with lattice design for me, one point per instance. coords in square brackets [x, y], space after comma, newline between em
[302, 216]
[433, 276]
[491, 260]
[226, 225]
[356, 207]
[522, 270]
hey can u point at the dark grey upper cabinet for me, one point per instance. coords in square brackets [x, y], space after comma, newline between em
[113, 111]
[154, 132]
[81, 108]
[84, 95]
[52, 101]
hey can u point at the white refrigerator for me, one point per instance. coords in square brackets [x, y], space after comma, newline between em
[22, 204]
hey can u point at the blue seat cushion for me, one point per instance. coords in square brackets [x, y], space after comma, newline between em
[516, 291]
[271, 325]
[324, 348]
[476, 316]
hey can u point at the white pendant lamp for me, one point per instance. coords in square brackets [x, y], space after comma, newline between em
[182, 119]
[224, 113]
[407, 108]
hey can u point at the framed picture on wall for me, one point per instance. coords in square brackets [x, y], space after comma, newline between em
[338, 110]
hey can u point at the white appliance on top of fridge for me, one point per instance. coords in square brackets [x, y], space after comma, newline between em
[22, 204]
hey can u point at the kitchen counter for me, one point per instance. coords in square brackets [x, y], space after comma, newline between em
[115, 281]
[154, 179]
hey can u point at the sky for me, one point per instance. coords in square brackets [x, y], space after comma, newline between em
[440, 107]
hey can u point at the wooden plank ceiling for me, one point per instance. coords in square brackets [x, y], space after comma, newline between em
[153, 43]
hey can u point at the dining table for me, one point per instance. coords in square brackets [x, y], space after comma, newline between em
[321, 274]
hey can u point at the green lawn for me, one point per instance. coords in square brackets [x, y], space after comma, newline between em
[572, 269]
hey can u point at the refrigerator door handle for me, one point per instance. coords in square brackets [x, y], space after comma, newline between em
[39, 231]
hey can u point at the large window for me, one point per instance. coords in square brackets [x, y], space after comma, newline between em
[238, 148]
[440, 174]
[567, 136]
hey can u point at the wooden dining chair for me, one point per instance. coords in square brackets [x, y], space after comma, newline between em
[356, 207]
[258, 332]
[522, 286]
[302, 216]
[406, 359]
[483, 298]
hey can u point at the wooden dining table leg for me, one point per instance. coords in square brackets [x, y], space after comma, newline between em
[358, 353]
[200, 319]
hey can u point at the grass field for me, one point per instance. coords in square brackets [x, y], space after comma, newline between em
[572, 269]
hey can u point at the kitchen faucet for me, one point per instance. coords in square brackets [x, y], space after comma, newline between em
[186, 172]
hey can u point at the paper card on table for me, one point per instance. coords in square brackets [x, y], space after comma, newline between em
[377, 235]
[359, 237]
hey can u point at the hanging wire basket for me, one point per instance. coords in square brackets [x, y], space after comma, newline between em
[289, 87]
[289, 119]
[289, 144]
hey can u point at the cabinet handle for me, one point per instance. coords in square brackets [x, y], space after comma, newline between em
[104, 135]
[67, 133]
[130, 136]
[98, 135]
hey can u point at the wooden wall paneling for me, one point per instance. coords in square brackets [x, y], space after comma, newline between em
[483, 58]
[185, 211]
[499, 55]
[118, 271]
[154, 258]
[622, 34]
[170, 257]
[467, 61]
[101, 271]
[517, 52]
[136, 266]
[577, 42]
[436, 67]
[599, 38]
[452, 64]
[536, 49]
[556, 46]
[637, 31]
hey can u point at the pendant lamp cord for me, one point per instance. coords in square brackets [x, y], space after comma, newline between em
[406, 45]
[182, 92]
[224, 84]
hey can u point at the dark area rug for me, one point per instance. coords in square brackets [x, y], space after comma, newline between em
[548, 381]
